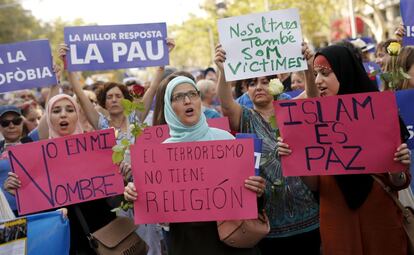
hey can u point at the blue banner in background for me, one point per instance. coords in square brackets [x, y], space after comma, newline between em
[116, 47]
[26, 65]
[405, 102]
[407, 14]
[257, 148]
[47, 233]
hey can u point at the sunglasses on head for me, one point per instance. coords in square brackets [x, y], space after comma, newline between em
[16, 121]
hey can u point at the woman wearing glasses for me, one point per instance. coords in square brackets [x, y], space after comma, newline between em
[182, 113]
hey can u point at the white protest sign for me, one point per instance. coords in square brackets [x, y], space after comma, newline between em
[262, 44]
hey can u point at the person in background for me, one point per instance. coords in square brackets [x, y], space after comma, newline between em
[240, 87]
[208, 93]
[210, 74]
[291, 207]
[66, 88]
[32, 114]
[298, 80]
[246, 99]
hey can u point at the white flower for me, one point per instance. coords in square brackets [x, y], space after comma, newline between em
[276, 87]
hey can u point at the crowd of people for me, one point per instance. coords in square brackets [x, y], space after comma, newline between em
[342, 214]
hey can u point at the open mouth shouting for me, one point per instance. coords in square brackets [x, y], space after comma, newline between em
[63, 124]
[189, 112]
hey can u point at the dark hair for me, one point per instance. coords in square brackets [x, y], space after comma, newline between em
[101, 94]
[355, 50]
[209, 69]
[238, 87]
[158, 117]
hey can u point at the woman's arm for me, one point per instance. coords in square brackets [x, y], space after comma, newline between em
[152, 90]
[310, 86]
[229, 107]
[88, 108]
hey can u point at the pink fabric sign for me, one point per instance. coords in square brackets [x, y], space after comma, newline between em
[67, 170]
[350, 134]
[191, 182]
[158, 134]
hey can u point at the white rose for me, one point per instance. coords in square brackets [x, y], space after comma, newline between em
[276, 87]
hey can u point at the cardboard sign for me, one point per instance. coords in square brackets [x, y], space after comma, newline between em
[116, 47]
[67, 170]
[26, 65]
[192, 182]
[407, 10]
[262, 44]
[405, 102]
[158, 134]
[350, 134]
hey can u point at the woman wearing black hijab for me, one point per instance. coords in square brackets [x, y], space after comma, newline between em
[357, 217]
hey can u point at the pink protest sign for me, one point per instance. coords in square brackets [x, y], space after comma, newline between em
[67, 170]
[191, 182]
[158, 134]
[350, 134]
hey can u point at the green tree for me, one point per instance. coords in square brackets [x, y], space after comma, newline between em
[16, 24]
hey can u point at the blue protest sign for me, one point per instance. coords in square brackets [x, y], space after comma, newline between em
[47, 233]
[257, 148]
[116, 47]
[407, 10]
[405, 102]
[26, 65]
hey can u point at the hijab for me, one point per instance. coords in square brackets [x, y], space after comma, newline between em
[53, 133]
[352, 78]
[182, 133]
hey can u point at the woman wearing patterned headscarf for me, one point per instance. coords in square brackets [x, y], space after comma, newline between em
[357, 217]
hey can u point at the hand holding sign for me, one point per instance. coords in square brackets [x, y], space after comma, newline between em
[328, 135]
[185, 182]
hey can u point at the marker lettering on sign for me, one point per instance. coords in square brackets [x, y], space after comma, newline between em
[194, 199]
[84, 144]
[352, 111]
[330, 155]
[205, 152]
[83, 189]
